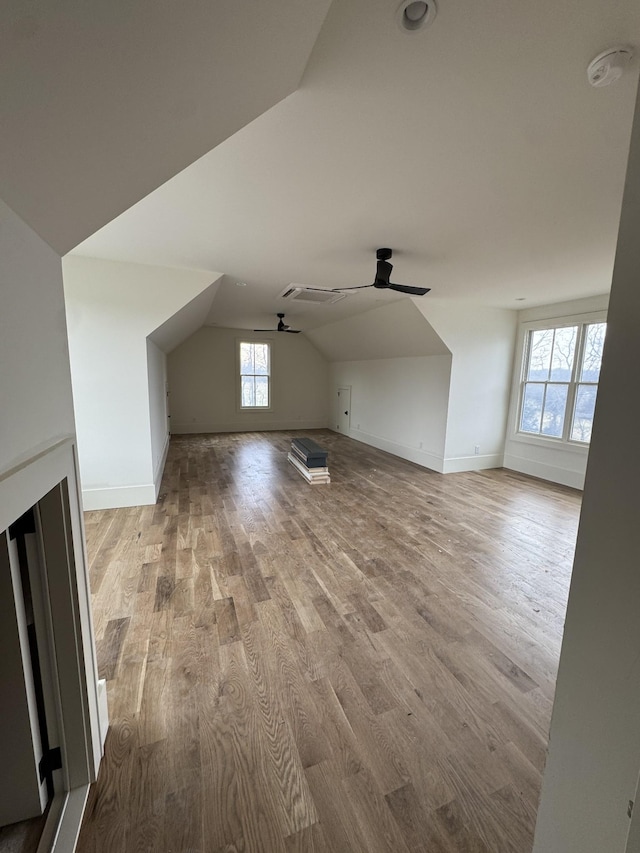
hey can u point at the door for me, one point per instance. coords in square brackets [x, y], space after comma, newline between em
[343, 409]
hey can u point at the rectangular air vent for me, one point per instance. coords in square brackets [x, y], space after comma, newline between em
[302, 294]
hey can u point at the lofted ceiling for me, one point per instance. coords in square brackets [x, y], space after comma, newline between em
[397, 330]
[104, 100]
[475, 149]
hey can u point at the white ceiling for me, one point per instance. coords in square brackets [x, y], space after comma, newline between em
[103, 100]
[398, 330]
[476, 150]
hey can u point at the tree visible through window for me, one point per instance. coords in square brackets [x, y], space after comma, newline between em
[255, 373]
[560, 381]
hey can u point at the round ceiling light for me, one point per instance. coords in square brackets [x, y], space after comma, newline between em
[413, 16]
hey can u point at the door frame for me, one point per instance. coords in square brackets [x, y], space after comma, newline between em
[50, 480]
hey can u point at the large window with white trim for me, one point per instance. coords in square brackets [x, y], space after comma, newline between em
[559, 383]
[255, 375]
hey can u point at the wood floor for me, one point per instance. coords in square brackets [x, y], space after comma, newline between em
[364, 666]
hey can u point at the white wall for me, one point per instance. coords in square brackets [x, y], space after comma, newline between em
[204, 386]
[157, 377]
[37, 451]
[35, 384]
[111, 309]
[481, 341]
[398, 405]
[594, 751]
[539, 457]
[427, 371]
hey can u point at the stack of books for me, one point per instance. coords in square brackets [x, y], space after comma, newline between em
[310, 460]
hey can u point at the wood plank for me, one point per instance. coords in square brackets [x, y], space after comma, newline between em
[366, 667]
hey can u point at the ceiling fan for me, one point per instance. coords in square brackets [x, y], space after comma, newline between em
[383, 274]
[282, 327]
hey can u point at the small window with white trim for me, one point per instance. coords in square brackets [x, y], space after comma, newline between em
[255, 375]
[559, 384]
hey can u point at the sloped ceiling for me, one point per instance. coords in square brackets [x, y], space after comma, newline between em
[185, 321]
[476, 150]
[102, 102]
[397, 330]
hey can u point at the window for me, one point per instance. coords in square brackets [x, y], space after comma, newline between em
[560, 381]
[255, 372]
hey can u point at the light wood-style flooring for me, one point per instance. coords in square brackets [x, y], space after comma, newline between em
[361, 667]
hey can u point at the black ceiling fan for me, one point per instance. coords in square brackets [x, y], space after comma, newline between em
[282, 327]
[383, 274]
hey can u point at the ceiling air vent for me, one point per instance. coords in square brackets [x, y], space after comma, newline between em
[299, 293]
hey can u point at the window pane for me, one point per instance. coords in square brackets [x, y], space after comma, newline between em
[262, 391]
[555, 403]
[564, 347]
[592, 358]
[261, 358]
[583, 415]
[248, 391]
[532, 408]
[246, 358]
[540, 347]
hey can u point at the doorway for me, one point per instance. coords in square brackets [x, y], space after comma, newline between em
[51, 737]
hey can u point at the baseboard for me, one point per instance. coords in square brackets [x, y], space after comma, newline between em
[411, 454]
[544, 471]
[118, 496]
[157, 474]
[246, 426]
[456, 464]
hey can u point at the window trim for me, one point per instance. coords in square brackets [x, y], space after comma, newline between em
[248, 340]
[550, 442]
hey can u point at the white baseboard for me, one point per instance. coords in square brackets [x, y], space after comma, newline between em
[247, 426]
[544, 471]
[456, 464]
[119, 496]
[411, 454]
[157, 474]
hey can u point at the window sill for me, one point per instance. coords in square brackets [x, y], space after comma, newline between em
[550, 443]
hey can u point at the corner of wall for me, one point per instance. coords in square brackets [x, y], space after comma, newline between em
[157, 474]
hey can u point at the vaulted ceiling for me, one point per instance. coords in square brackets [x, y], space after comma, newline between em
[476, 149]
[101, 102]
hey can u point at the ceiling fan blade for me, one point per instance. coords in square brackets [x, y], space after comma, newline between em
[407, 288]
[292, 331]
[265, 330]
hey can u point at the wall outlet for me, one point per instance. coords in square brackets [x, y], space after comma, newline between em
[477, 449]
[357, 426]
[420, 445]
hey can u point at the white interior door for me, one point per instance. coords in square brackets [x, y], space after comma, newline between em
[343, 409]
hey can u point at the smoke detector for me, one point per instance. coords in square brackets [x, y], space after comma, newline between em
[609, 66]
